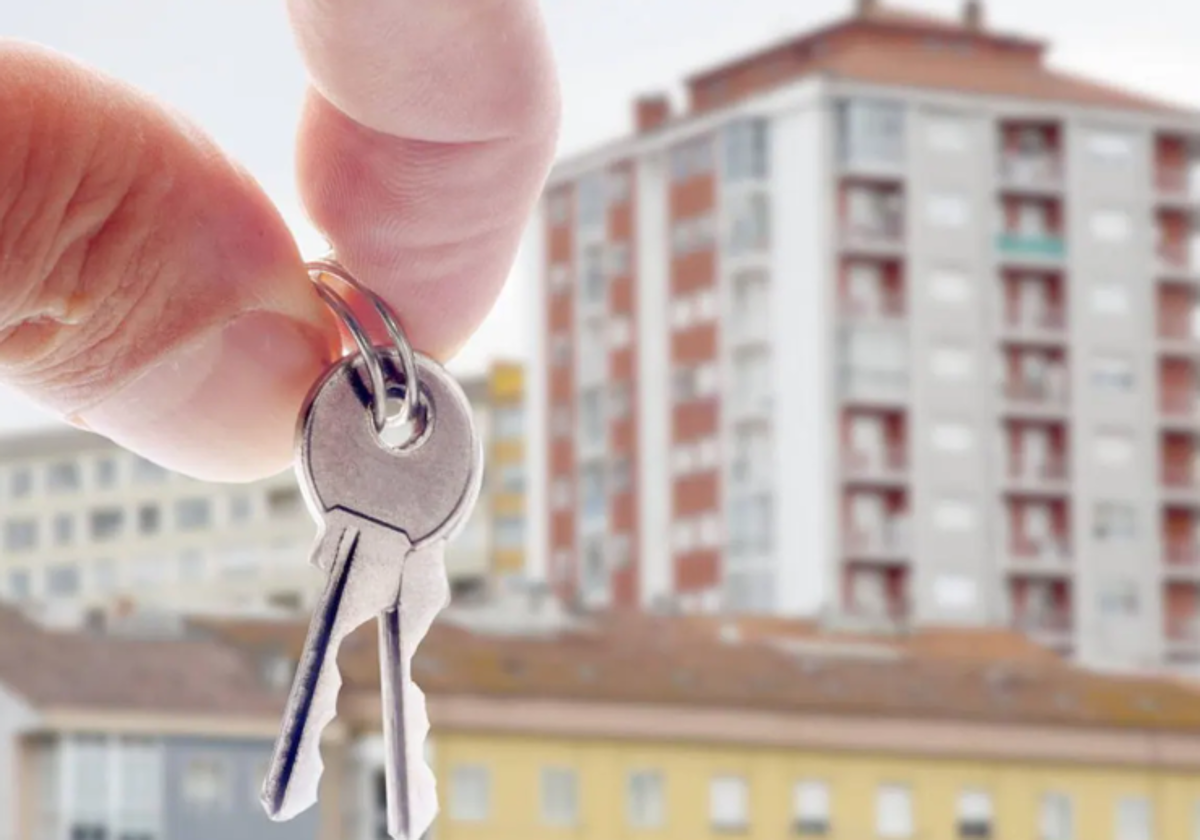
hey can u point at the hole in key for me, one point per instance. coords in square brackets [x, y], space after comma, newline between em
[412, 431]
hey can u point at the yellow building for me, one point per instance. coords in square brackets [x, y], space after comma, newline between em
[651, 727]
[506, 467]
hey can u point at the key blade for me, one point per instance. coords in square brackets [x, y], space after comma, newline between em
[363, 565]
[411, 787]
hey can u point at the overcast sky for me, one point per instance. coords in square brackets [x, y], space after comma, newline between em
[232, 66]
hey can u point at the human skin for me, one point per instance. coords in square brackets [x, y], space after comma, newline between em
[150, 292]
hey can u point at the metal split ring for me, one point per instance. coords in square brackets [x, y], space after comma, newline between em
[317, 270]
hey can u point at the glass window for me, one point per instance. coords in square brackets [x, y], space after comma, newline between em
[749, 224]
[64, 529]
[1111, 225]
[893, 812]
[618, 186]
[284, 502]
[106, 472]
[619, 332]
[192, 514]
[950, 362]
[1112, 373]
[948, 210]
[952, 437]
[591, 490]
[512, 477]
[593, 277]
[1133, 818]
[62, 477]
[241, 508]
[729, 803]
[139, 766]
[591, 415]
[148, 472]
[205, 784]
[510, 532]
[508, 422]
[470, 793]
[974, 814]
[1114, 449]
[591, 197]
[20, 534]
[1110, 146]
[20, 482]
[1118, 599]
[871, 132]
[62, 580]
[89, 784]
[1115, 522]
[620, 474]
[946, 134]
[106, 523]
[1057, 817]
[1110, 298]
[955, 592]
[746, 151]
[617, 259]
[560, 796]
[810, 807]
[646, 802]
[149, 519]
[20, 585]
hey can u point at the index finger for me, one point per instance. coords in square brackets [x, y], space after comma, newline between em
[424, 144]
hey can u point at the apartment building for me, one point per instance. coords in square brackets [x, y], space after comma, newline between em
[892, 323]
[85, 524]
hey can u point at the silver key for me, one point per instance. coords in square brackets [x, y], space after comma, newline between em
[384, 516]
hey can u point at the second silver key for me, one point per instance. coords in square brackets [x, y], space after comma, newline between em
[379, 509]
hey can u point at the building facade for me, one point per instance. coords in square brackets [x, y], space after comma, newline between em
[87, 525]
[893, 325]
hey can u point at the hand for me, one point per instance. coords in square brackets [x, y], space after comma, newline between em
[150, 292]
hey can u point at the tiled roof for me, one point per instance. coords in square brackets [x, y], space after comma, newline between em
[85, 671]
[975, 675]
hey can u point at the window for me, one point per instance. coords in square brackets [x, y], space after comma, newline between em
[954, 592]
[619, 333]
[893, 811]
[20, 534]
[618, 400]
[595, 282]
[20, 586]
[591, 415]
[205, 784]
[1112, 373]
[1114, 449]
[691, 159]
[949, 362]
[810, 807]
[709, 531]
[1115, 522]
[618, 259]
[62, 580]
[946, 134]
[1133, 818]
[559, 278]
[948, 210]
[1118, 599]
[728, 803]
[871, 132]
[149, 519]
[139, 772]
[508, 422]
[590, 197]
[106, 472]
[953, 515]
[683, 535]
[284, 502]
[684, 459]
[89, 788]
[512, 477]
[470, 793]
[560, 796]
[1110, 146]
[953, 437]
[618, 186]
[64, 529]
[949, 286]
[148, 472]
[20, 482]
[1056, 817]
[62, 477]
[559, 207]
[749, 224]
[192, 514]
[974, 814]
[1110, 298]
[560, 350]
[1111, 225]
[746, 151]
[646, 799]
[620, 475]
[106, 523]
[591, 490]
[241, 508]
[560, 421]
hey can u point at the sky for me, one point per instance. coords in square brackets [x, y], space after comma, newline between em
[232, 66]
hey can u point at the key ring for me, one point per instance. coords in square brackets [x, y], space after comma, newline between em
[317, 269]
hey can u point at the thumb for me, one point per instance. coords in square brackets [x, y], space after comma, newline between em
[148, 289]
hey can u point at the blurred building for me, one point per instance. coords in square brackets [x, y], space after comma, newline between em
[601, 726]
[893, 323]
[86, 524]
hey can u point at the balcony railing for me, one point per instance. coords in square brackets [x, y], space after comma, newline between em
[1176, 255]
[890, 540]
[1179, 475]
[885, 231]
[883, 305]
[1049, 318]
[1052, 620]
[1035, 246]
[1184, 628]
[1033, 171]
[1180, 403]
[1184, 555]
[887, 461]
[1048, 391]
[1052, 470]
[1177, 182]
[868, 384]
[1055, 551]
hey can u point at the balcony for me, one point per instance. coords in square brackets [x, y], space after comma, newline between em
[887, 543]
[883, 306]
[882, 235]
[1175, 259]
[885, 466]
[1177, 184]
[1048, 476]
[1183, 560]
[1048, 625]
[1031, 173]
[884, 388]
[1183, 634]
[1050, 554]
[1032, 323]
[1048, 393]
[1036, 249]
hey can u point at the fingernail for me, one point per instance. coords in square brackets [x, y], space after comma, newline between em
[224, 406]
